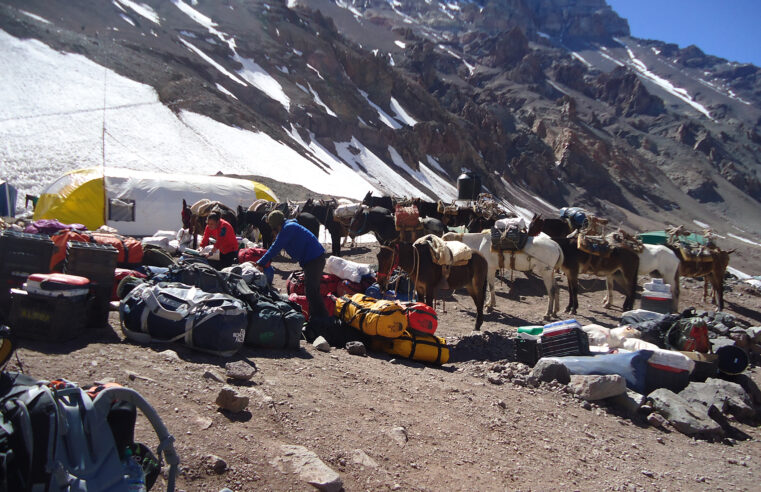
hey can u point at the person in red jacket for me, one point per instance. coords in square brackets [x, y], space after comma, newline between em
[225, 240]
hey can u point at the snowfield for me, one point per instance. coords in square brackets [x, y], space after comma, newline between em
[64, 112]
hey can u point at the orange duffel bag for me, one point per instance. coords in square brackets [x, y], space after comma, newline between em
[130, 249]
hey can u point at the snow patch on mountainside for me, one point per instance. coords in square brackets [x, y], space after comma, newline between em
[141, 9]
[49, 93]
[382, 115]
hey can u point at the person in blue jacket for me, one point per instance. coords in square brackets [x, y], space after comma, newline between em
[302, 246]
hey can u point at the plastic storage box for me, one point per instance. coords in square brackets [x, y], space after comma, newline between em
[20, 255]
[98, 263]
[46, 318]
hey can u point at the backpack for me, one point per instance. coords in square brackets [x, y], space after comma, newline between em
[688, 335]
[54, 436]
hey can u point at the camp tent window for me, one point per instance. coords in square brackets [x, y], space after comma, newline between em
[121, 210]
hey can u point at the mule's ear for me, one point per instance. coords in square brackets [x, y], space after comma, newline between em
[184, 205]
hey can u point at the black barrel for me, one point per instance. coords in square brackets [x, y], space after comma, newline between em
[468, 186]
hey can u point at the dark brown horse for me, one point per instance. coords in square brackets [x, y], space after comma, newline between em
[323, 211]
[195, 223]
[427, 276]
[575, 261]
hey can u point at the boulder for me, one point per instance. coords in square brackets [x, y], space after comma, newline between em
[689, 419]
[547, 370]
[216, 464]
[597, 387]
[728, 397]
[309, 467]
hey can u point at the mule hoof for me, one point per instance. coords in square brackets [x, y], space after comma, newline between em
[489, 309]
[547, 317]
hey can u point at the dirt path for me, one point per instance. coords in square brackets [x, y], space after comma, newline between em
[462, 431]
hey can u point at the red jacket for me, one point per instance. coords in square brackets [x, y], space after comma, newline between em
[224, 234]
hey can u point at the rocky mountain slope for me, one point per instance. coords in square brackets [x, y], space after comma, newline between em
[552, 100]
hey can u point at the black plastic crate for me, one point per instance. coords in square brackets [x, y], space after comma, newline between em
[527, 351]
[663, 306]
[94, 261]
[22, 253]
[574, 342]
[44, 318]
[8, 281]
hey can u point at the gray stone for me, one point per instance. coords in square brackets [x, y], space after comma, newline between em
[596, 387]
[726, 396]
[721, 342]
[657, 420]
[321, 344]
[749, 386]
[399, 434]
[689, 419]
[216, 464]
[214, 376]
[547, 370]
[719, 328]
[630, 402]
[754, 332]
[494, 378]
[228, 399]
[240, 370]
[361, 458]
[170, 355]
[309, 467]
[356, 348]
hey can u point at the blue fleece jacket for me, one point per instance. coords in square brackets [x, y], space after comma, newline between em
[297, 241]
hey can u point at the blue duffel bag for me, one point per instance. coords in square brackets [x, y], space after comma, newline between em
[175, 312]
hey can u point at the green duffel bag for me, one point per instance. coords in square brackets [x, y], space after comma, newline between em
[274, 325]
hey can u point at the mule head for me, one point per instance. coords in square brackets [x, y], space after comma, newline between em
[185, 215]
[388, 260]
[535, 227]
[359, 221]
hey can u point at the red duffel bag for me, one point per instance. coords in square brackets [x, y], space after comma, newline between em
[130, 249]
[330, 303]
[252, 254]
[406, 217]
[119, 274]
[421, 317]
[328, 284]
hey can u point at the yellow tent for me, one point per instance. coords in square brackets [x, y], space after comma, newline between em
[138, 203]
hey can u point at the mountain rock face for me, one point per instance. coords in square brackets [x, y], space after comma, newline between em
[545, 98]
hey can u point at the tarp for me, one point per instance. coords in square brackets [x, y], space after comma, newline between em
[661, 237]
[138, 203]
[8, 195]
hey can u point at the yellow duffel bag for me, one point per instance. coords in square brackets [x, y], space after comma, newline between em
[416, 346]
[372, 316]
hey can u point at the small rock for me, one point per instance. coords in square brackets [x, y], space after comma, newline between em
[356, 348]
[203, 422]
[240, 370]
[170, 355]
[501, 404]
[321, 344]
[494, 379]
[361, 458]
[399, 434]
[225, 490]
[217, 464]
[229, 400]
[648, 473]
[547, 370]
[656, 420]
[630, 402]
[309, 467]
[214, 376]
[596, 387]
[133, 375]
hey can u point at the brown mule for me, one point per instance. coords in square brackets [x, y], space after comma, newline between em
[417, 261]
[712, 271]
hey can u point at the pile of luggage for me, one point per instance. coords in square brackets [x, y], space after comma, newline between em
[407, 222]
[208, 310]
[691, 250]
[394, 327]
[509, 235]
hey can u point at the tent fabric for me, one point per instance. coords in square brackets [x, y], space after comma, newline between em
[138, 203]
[8, 196]
[661, 237]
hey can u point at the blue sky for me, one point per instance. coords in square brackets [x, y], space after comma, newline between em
[730, 29]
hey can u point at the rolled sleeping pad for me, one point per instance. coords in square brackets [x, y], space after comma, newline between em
[732, 359]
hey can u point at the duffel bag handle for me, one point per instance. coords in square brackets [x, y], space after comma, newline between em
[152, 303]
